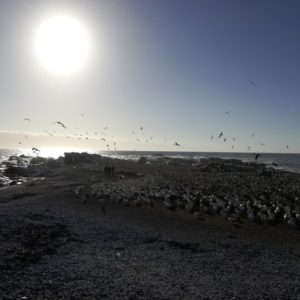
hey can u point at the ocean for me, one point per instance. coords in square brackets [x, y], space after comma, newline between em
[289, 162]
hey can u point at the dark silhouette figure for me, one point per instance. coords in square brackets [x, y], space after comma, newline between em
[109, 171]
[256, 157]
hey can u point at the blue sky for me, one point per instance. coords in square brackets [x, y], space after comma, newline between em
[173, 67]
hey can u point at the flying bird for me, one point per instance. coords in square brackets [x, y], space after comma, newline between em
[253, 134]
[103, 139]
[141, 127]
[211, 137]
[27, 119]
[257, 156]
[48, 132]
[249, 148]
[225, 140]
[252, 83]
[287, 146]
[35, 150]
[227, 112]
[60, 123]
[138, 140]
[221, 134]
[233, 138]
[176, 144]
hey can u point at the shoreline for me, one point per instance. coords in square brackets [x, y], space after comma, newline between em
[82, 234]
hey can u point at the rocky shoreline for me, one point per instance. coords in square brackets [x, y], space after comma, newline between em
[160, 229]
[230, 188]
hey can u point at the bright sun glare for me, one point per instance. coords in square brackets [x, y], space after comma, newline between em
[62, 44]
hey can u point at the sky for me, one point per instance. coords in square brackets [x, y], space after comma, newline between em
[173, 67]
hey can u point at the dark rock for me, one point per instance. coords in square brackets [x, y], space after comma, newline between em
[12, 172]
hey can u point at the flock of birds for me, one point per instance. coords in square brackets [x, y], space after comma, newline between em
[85, 136]
[220, 136]
[110, 141]
[192, 198]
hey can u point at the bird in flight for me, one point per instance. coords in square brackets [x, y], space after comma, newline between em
[221, 134]
[287, 146]
[233, 138]
[27, 119]
[225, 140]
[138, 140]
[257, 156]
[253, 134]
[211, 137]
[227, 112]
[60, 123]
[249, 148]
[252, 83]
[48, 132]
[141, 128]
[176, 144]
[103, 139]
[35, 150]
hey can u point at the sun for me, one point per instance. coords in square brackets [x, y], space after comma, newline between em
[62, 44]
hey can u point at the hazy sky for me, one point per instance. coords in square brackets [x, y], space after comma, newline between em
[173, 67]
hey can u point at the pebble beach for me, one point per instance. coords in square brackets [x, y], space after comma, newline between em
[161, 229]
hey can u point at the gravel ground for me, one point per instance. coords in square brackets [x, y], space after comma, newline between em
[52, 246]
